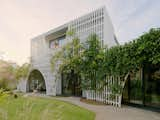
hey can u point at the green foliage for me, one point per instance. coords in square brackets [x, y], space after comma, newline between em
[92, 62]
[1, 91]
[71, 32]
[3, 94]
[67, 60]
[72, 57]
[7, 75]
[22, 71]
[129, 57]
[116, 88]
[68, 56]
[4, 83]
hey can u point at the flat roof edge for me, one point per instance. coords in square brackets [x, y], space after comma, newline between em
[67, 23]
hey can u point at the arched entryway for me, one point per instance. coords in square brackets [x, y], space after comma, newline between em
[36, 82]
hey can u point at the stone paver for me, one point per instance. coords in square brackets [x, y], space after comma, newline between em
[107, 112]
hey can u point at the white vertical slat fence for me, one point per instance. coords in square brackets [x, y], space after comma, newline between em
[105, 94]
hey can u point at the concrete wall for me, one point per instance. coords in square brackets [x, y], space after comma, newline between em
[40, 60]
[84, 26]
[22, 85]
[109, 35]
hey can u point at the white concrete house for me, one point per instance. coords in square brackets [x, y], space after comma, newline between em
[44, 46]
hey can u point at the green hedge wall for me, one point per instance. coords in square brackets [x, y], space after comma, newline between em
[128, 57]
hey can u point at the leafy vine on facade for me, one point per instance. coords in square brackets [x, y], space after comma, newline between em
[92, 62]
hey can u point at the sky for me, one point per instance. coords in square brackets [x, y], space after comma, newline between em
[21, 20]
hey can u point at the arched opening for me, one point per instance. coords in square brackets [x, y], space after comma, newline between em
[36, 82]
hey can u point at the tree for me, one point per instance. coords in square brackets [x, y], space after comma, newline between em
[22, 71]
[85, 60]
[68, 56]
[92, 63]
[7, 75]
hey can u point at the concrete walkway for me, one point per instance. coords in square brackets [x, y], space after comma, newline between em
[107, 112]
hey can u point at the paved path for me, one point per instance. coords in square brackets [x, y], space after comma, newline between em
[107, 112]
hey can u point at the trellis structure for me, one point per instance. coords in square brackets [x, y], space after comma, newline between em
[106, 95]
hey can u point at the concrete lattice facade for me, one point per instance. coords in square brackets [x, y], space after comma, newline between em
[97, 22]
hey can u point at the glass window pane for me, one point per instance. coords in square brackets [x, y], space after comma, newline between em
[152, 85]
[136, 88]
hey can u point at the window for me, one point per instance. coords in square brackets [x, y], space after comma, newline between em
[53, 44]
[56, 43]
[61, 41]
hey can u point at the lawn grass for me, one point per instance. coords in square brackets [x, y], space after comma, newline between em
[37, 108]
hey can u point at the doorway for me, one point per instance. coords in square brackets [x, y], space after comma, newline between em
[132, 92]
[71, 84]
[36, 82]
[142, 87]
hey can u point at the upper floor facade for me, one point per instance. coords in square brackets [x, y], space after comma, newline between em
[45, 45]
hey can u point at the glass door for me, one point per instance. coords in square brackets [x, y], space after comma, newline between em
[67, 84]
[152, 87]
[132, 92]
[71, 85]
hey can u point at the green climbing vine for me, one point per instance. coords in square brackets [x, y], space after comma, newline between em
[92, 62]
[129, 57]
